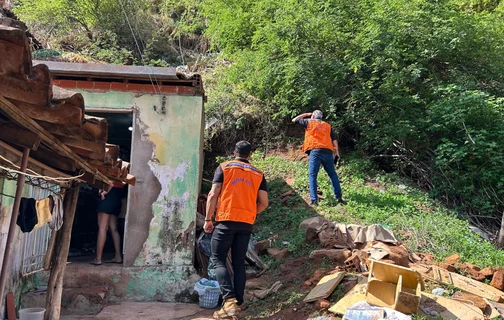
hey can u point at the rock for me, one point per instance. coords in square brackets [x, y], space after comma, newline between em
[470, 299]
[488, 272]
[438, 291]
[447, 266]
[498, 279]
[453, 259]
[335, 255]
[427, 258]
[398, 254]
[473, 271]
[278, 254]
[262, 246]
[307, 283]
[317, 275]
[322, 304]
[312, 225]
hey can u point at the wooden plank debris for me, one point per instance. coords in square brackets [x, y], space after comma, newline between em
[325, 287]
[444, 308]
[358, 293]
[463, 283]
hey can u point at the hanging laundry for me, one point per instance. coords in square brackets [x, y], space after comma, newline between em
[57, 213]
[43, 212]
[27, 218]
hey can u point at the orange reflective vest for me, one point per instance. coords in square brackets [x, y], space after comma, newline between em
[318, 136]
[238, 197]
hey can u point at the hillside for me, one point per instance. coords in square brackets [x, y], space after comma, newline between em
[374, 197]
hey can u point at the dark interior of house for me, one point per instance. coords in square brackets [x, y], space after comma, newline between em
[85, 227]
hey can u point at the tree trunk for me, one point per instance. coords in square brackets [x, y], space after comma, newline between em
[500, 238]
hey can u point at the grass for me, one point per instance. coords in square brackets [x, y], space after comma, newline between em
[373, 197]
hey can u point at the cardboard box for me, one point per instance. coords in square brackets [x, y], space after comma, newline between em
[394, 287]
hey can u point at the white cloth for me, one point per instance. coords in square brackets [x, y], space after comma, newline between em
[57, 213]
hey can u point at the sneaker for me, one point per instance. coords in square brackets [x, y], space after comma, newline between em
[314, 203]
[230, 310]
[341, 201]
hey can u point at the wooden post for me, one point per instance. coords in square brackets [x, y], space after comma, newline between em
[60, 255]
[12, 227]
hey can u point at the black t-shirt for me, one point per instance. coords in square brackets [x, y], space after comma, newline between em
[304, 124]
[219, 177]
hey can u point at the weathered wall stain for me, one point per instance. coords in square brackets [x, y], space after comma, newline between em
[171, 146]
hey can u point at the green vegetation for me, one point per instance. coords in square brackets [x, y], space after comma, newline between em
[416, 85]
[373, 197]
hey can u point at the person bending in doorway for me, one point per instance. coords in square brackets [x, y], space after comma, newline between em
[109, 208]
[241, 192]
[321, 145]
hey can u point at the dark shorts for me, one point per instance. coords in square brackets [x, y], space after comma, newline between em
[112, 203]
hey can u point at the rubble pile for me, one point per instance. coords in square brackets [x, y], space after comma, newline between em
[379, 275]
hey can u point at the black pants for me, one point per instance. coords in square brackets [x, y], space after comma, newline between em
[234, 236]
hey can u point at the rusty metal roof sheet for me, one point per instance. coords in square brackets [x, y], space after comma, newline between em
[111, 70]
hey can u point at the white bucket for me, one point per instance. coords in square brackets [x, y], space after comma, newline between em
[31, 314]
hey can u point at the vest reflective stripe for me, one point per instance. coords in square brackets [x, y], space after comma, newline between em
[318, 136]
[238, 197]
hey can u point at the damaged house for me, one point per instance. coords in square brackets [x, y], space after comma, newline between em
[92, 125]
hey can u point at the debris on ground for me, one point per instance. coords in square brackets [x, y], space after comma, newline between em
[394, 287]
[363, 310]
[445, 308]
[324, 287]
[278, 254]
[338, 256]
[380, 276]
[437, 274]
[261, 294]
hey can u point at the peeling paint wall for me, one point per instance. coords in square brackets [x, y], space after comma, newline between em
[167, 161]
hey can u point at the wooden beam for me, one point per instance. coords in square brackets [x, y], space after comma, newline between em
[59, 261]
[34, 92]
[13, 133]
[94, 146]
[54, 160]
[96, 127]
[66, 114]
[14, 155]
[100, 156]
[12, 111]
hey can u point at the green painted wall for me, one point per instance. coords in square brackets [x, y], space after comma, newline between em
[176, 161]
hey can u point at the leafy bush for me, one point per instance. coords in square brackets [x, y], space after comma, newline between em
[415, 84]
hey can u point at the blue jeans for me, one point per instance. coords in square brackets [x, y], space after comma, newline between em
[325, 158]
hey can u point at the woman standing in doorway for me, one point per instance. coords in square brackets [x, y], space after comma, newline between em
[109, 208]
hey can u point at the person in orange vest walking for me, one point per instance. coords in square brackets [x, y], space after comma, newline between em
[239, 192]
[321, 145]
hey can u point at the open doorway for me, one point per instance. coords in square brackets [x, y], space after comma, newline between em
[85, 227]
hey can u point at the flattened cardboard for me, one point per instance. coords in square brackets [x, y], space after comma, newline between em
[325, 287]
[356, 294]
